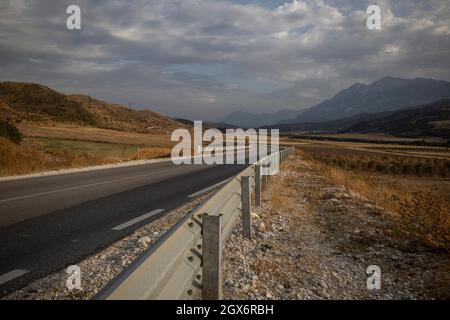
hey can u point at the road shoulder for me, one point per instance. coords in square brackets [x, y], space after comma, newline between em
[315, 240]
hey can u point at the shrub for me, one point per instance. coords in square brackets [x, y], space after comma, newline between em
[408, 168]
[9, 131]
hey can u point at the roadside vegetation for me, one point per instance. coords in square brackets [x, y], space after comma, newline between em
[9, 131]
[389, 164]
[315, 238]
[41, 154]
[416, 189]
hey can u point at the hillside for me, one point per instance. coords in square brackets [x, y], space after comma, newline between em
[329, 126]
[387, 94]
[430, 120]
[36, 103]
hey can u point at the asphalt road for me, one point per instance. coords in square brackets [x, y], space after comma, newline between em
[49, 222]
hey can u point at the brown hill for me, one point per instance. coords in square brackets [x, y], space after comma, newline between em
[36, 103]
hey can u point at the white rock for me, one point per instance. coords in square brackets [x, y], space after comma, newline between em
[145, 241]
[261, 227]
[255, 216]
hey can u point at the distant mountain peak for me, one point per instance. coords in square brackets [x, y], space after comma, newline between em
[350, 90]
[390, 78]
[387, 94]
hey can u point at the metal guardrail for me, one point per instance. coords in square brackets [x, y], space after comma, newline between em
[188, 263]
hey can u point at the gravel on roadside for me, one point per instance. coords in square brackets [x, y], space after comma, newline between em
[99, 269]
[316, 240]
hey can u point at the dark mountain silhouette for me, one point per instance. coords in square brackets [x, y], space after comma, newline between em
[387, 94]
[432, 120]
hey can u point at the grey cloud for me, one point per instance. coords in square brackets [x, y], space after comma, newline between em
[290, 55]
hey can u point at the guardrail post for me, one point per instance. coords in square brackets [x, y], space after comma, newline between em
[277, 163]
[212, 257]
[266, 171]
[263, 182]
[246, 207]
[258, 185]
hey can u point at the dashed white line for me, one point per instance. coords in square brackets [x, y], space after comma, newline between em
[137, 220]
[12, 275]
[209, 188]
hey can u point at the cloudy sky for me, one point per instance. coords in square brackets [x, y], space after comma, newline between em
[201, 59]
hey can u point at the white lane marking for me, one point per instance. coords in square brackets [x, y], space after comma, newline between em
[12, 275]
[209, 188]
[136, 220]
[76, 187]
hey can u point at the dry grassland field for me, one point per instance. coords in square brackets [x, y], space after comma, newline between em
[47, 147]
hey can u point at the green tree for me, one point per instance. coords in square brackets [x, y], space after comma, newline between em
[9, 131]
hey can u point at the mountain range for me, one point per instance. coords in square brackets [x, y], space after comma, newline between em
[244, 119]
[415, 107]
[429, 120]
[387, 94]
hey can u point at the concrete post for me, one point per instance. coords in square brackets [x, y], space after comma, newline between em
[258, 185]
[246, 207]
[212, 257]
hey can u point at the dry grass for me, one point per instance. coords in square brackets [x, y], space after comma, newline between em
[389, 164]
[341, 147]
[423, 204]
[280, 193]
[39, 104]
[36, 155]
[74, 132]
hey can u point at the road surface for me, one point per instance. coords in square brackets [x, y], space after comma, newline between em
[49, 222]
